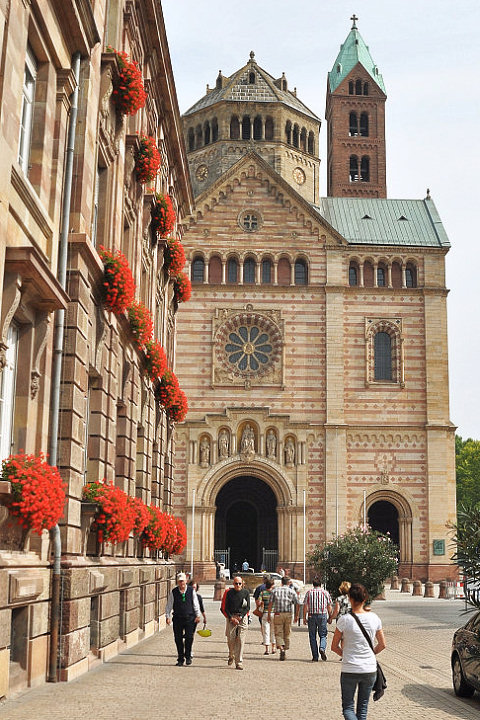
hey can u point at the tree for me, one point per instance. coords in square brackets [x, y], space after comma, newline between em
[360, 556]
[467, 461]
[467, 553]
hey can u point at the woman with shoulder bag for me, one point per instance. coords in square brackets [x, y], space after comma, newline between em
[268, 633]
[359, 662]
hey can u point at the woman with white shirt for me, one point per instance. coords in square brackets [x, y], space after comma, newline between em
[359, 664]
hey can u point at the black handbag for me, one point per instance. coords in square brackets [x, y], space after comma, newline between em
[380, 684]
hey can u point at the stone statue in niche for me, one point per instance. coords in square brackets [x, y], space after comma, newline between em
[248, 440]
[204, 453]
[223, 444]
[271, 445]
[289, 452]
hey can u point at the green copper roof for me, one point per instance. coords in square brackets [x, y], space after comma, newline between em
[352, 52]
[381, 221]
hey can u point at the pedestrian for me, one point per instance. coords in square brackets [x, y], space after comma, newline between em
[245, 565]
[282, 601]
[258, 590]
[317, 605]
[196, 587]
[186, 613]
[235, 609]
[294, 587]
[359, 662]
[342, 603]
[268, 630]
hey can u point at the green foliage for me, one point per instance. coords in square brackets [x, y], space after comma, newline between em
[467, 542]
[467, 461]
[360, 556]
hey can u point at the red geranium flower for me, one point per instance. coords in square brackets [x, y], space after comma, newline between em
[156, 360]
[128, 91]
[141, 323]
[172, 397]
[163, 215]
[155, 532]
[117, 515]
[147, 159]
[181, 540]
[182, 288]
[118, 284]
[174, 257]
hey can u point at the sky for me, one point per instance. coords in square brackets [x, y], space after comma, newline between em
[429, 55]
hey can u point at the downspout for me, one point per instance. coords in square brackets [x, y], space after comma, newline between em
[57, 367]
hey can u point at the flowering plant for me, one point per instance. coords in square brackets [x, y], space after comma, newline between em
[118, 284]
[170, 542]
[181, 539]
[156, 360]
[177, 411]
[155, 532]
[128, 92]
[163, 215]
[147, 159]
[142, 516]
[174, 257]
[182, 287]
[172, 397]
[38, 491]
[141, 323]
[117, 515]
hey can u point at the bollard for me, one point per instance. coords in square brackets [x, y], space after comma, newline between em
[429, 587]
[417, 588]
[442, 591]
[394, 583]
[405, 585]
[218, 590]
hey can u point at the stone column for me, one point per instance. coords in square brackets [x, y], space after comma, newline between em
[361, 274]
[375, 277]
[404, 278]
[240, 272]
[224, 272]
[389, 275]
[275, 273]
[292, 274]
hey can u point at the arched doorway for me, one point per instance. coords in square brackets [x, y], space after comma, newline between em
[246, 520]
[383, 517]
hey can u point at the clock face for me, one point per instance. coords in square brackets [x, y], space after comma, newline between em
[299, 176]
[202, 172]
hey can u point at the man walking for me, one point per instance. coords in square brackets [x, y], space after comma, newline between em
[317, 604]
[282, 601]
[235, 609]
[186, 613]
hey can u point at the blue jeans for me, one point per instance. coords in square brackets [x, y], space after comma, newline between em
[349, 683]
[317, 623]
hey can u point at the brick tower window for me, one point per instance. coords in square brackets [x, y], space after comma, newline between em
[364, 124]
[358, 87]
[365, 88]
[381, 276]
[353, 168]
[410, 276]
[365, 169]
[351, 87]
[353, 124]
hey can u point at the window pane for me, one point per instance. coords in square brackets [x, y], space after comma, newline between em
[7, 396]
[380, 277]
[352, 275]
[383, 356]
[28, 97]
[232, 271]
[300, 273]
[266, 271]
[198, 269]
[249, 271]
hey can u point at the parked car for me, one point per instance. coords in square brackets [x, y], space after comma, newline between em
[465, 658]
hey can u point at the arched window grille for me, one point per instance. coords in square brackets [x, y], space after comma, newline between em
[249, 271]
[382, 356]
[353, 124]
[365, 169]
[353, 168]
[234, 128]
[198, 270]
[246, 128]
[232, 270]
[266, 271]
[300, 272]
[364, 124]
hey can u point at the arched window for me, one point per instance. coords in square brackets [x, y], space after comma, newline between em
[206, 133]
[381, 276]
[358, 87]
[288, 132]
[199, 136]
[232, 270]
[266, 271]
[353, 274]
[410, 276]
[214, 130]
[353, 168]
[303, 140]
[251, 78]
[365, 169]
[246, 128]
[198, 270]
[353, 124]
[295, 135]
[249, 271]
[257, 128]
[311, 142]
[396, 275]
[269, 128]
[367, 274]
[234, 128]
[350, 87]
[191, 139]
[382, 356]
[365, 88]
[300, 272]
[283, 272]
[364, 124]
[215, 270]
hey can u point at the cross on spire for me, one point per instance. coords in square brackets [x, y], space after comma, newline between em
[354, 19]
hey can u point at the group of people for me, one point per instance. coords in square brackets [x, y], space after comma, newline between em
[276, 607]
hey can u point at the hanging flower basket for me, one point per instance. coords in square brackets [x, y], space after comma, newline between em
[118, 284]
[174, 257]
[170, 541]
[147, 159]
[37, 491]
[116, 516]
[142, 516]
[153, 536]
[182, 288]
[128, 91]
[177, 411]
[172, 397]
[163, 215]
[141, 323]
[156, 360]
[181, 539]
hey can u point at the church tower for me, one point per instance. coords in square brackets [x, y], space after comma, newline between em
[355, 115]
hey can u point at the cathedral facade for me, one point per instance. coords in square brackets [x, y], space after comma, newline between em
[314, 349]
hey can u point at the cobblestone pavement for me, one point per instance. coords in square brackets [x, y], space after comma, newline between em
[144, 684]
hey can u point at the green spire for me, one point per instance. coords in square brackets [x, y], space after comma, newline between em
[353, 51]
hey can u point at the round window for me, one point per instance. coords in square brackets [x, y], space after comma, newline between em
[248, 345]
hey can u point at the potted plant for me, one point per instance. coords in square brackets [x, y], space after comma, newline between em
[174, 257]
[116, 516]
[163, 215]
[118, 283]
[128, 91]
[156, 360]
[154, 534]
[182, 288]
[141, 323]
[147, 159]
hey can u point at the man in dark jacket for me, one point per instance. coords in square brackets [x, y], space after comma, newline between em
[186, 613]
[235, 609]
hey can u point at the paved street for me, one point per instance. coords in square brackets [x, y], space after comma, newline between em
[144, 684]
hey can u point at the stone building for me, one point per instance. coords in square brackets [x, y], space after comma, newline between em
[315, 348]
[68, 185]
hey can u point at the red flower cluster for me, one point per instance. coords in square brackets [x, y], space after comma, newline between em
[172, 397]
[181, 537]
[174, 257]
[118, 284]
[155, 533]
[37, 489]
[142, 516]
[128, 92]
[163, 215]
[141, 323]
[156, 360]
[147, 159]
[182, 288]
[117, 515]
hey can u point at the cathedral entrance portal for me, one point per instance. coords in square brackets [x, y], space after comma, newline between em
[383, 517]
[246, 521]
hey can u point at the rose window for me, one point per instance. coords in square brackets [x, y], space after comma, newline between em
[248, 344]
[249, 348]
